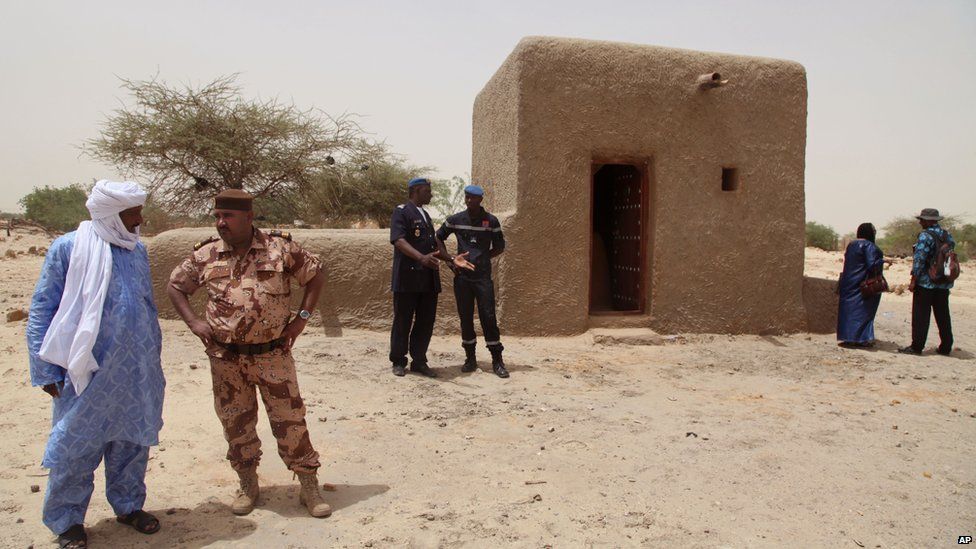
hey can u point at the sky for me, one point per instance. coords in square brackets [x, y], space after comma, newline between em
[891, 122]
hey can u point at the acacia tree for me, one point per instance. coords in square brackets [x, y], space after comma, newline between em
[901, 233]
[448, 197]
[366, 187]
[190, 143]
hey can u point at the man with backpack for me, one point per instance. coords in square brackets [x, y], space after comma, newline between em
[933, 271]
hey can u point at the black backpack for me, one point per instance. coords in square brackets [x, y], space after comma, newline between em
[944, 265]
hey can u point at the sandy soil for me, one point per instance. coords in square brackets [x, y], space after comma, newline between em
[704, 441]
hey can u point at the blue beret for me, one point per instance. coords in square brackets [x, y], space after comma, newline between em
[475, 190]
[418, 181]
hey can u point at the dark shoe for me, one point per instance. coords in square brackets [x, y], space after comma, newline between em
[142, 521]
[470, 363]
[422, 369]
[399, 370]
[73, 538]
[909, 351]
[943, 352]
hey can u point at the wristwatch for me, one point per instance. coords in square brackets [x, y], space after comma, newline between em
[304, 315]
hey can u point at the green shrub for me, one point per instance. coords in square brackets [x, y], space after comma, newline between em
[821, 236]
[448, 197]
[58, 208]
[965, 238]
[901, 233]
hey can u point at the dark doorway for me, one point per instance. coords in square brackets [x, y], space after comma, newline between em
[617, 246]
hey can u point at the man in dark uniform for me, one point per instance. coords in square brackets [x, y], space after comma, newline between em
[479, 237]
[416, 280]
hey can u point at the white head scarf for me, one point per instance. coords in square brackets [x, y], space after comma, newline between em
[71, 336]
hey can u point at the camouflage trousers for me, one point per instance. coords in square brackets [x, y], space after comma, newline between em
[234, 382]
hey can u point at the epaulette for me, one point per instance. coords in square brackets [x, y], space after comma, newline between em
[280, 234]
[199, 245]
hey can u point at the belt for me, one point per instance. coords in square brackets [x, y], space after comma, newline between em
[253, 348]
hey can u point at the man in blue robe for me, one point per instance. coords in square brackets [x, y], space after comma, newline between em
[94, 343]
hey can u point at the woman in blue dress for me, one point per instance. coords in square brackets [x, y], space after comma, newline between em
[855, 313]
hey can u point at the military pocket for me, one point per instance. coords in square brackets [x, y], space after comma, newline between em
[213, 272]
[271, 280]
[216, 278]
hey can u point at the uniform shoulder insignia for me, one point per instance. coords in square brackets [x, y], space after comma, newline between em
[280, 234]
[402, 206]
[199, 245]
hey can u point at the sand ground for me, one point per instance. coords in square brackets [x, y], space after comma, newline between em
[704, 441]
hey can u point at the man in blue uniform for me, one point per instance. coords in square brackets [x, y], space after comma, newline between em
[94, 343]
[479, 237]
[416, 280]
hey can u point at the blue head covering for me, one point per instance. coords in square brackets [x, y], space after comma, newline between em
[418, 181]
[475, 190]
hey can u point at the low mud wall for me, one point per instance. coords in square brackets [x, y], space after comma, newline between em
[357, 277]
[820, 302]
[357, 284]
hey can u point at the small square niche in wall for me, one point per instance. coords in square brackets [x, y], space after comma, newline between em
[730, 179]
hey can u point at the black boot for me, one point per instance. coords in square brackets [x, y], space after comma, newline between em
[497, 364]
[470, 363]
[423, 369]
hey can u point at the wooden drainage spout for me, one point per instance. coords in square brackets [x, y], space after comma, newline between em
[711, 80]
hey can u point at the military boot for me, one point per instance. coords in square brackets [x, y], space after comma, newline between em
[247, 498]
[310, 496]
[470, 363]
[497, 364]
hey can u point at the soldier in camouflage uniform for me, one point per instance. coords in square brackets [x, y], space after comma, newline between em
[248, 333]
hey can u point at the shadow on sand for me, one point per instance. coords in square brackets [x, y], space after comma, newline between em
[892, 347]
[453, 373]
[212, 521]
[206, 524]
[283, 499]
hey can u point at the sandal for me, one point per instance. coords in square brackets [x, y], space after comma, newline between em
[73, 538]
[142, 521]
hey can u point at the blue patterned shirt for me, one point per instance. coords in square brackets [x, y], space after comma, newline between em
[924, 254]
[124, 401]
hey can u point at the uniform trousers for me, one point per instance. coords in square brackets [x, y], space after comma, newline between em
[413, 325]
[235, 379]
[468, 292]
[71, 481]
[925, 303]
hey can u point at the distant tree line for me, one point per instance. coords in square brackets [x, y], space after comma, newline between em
[57, 208]
[821, 236]
[900, 235]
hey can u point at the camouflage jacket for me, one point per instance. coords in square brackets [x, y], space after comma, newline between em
[249, 296]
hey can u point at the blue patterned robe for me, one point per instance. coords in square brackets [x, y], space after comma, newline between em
[855, 313]
[124, 401]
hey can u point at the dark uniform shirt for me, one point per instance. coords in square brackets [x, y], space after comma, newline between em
[478, 235]
[414, 225]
